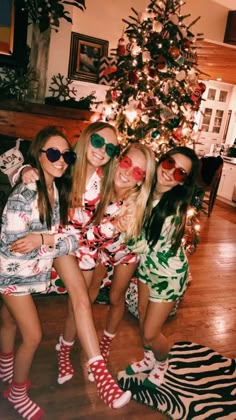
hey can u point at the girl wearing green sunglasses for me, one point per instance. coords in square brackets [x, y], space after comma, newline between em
[92, 173]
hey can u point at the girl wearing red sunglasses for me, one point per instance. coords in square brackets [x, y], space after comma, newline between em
[163, 268]
[120, 217]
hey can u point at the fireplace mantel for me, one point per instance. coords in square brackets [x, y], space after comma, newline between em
[25, 119]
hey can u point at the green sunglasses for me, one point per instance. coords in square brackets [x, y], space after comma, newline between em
[97, 142]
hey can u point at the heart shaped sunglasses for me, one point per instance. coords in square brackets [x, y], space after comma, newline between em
[54, 155]
[179, 173]
[97, 142]
[137, 173]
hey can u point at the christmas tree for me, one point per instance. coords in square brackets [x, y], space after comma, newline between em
[155, 91]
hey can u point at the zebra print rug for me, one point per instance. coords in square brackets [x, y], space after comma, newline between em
[199, 384]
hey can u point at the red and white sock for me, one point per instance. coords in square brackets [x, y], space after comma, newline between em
[144, 365]
[108, 389]
[6, 366]
[105, 344]
[157, 374]
[21, 402]
[7, 391]
[65, 368]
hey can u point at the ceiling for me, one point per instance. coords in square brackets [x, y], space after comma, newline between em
[226, 3]
[217, 60]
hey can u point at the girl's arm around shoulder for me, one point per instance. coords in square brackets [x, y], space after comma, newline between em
[25, 173]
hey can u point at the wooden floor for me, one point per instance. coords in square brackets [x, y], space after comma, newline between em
[207, 315]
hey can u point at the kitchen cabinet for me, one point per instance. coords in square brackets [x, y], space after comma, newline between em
[212, 117]
[228, 182]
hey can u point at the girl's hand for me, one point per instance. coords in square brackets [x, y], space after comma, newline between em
[29, 175]
[123, 220]
[27, 244]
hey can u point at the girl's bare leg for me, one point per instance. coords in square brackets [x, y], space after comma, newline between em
[7, 343]
[76, 286]
[143, 295]
[98, 276]
[120, 282]
[152, 317]
[121, 277]
[80, 311]
[156, 316]
[7, 330]
[65, 272]
[25, 314]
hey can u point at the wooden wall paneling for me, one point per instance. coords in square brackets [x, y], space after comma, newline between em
[24, 120]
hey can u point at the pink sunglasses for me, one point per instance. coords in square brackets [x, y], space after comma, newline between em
[179, 174]
[137, 173]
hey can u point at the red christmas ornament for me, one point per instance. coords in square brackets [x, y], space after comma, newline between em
[196, 94]
[174, 52]
[121, 48]
[114, 95]
[202, 86]
[109, 70]
[186, 44]
[177, 133]
[160, 62]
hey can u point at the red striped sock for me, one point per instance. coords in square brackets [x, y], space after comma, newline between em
[21, 402]
[6, 366]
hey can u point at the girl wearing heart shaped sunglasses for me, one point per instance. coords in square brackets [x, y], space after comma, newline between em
[92, 173]
[163, 269]
[34, 210]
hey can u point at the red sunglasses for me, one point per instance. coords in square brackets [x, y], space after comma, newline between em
[179, 174]
[137, 173]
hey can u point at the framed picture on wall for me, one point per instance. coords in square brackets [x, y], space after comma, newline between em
[85, 55]
[13, 32]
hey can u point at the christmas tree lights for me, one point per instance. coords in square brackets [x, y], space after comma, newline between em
[155, 92]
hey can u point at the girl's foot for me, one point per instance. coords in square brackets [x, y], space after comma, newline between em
[157, 374]
[108, 389]
[21, 402]
[65, 368]
[145, 365]
[104, 345]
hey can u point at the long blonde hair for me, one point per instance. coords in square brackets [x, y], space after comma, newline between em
[135, 207]
[80, 168]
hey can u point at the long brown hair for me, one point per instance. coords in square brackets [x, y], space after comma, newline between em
[173, 202]
[63, 183]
